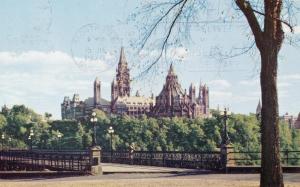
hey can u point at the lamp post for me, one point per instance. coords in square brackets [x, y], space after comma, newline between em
[111, 131]
[94, 121]
[225, 139]
[59, 135]
[30, 137]
[9, 142]
[30, 142]
[2, 140]
[225, 115]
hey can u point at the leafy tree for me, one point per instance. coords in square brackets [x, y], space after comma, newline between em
[3, 122]
[72, 134]
[148, 134]
[285, 136]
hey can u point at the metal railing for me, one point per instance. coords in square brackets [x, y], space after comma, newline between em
[45, 159]
[193, 160]
[80, 161]
[288, 158]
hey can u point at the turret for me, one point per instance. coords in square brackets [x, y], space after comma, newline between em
[114, 90]
[137, 94]
[97, 91]
[205, 98]
[76, 98]
[192, 93]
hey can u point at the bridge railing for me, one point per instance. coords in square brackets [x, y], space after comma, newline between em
[45, 159]
[288, 158]
[195, 160]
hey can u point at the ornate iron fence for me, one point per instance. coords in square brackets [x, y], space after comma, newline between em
[195, 160]
[288, 158]
[45, 159]
[81, 161]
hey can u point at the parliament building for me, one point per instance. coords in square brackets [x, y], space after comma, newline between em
[172, 100]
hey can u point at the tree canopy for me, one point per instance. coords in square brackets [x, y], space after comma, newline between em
[147, 134]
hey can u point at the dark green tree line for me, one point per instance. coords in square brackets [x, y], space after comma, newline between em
[147, 134]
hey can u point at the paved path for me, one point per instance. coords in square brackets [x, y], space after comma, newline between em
[121, 175]
[149, 180]
[124, 168]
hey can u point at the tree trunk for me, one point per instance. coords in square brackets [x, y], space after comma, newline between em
[271, 174]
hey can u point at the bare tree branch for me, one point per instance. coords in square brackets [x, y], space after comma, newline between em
[159, 21]
[282, 21]
[247, 10]
[170, 29]
[176, 10]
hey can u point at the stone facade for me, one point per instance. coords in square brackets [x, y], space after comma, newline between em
[297, 122]
[172, 101]
[120, 86]
[291, 120]
[133, 105]
[121, 101]
[77, 109]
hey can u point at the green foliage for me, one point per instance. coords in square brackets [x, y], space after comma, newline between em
[72, 134]
[3, 122]
[148, 134]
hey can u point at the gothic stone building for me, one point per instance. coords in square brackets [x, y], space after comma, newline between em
[121, 102]
[172, 101]
[76, 109]
[292, 121]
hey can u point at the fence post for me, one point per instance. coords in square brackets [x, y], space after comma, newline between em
[225, 149]
[140, 157]
[164, 159]
[95, 160]
[131, 153]
[151, 158]
[286, 152]
[181, 159]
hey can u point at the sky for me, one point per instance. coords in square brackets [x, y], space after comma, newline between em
[55, 48]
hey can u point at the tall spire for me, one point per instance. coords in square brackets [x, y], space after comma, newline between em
[122, 59]
[123, 76]
[258, 108]
[171, 69]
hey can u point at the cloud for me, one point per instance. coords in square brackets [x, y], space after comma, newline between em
[221, 95]
[219, 84]
[41, 79]
[253, 82]
[178, 53]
